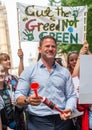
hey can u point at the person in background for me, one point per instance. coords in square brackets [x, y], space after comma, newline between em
[2, 87]
[0, 123]
[11, 83]
[21, 62]
[72, 58]
[59, 61]
[74, 67]
[90, 117]
[7, 121]
[87, 108]
[55, 83]
[84, 50]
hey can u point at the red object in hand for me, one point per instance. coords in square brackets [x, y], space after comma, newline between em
[35, 87]
[51, 105]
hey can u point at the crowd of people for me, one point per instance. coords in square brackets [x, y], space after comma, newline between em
[52, 105]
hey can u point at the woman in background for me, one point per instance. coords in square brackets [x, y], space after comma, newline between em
[73, 62]
[11, 82]
[7, 122]
[72, 58]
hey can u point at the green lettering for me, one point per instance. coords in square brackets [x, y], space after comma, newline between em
[52, 34]
[64, 24]
[65, 37]
[74, 39]
[59, 37]
[42, 35]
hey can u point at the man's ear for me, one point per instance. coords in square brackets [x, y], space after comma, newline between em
[39, 49]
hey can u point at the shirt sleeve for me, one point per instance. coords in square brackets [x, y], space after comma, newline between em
[23, 86]
[71, 97]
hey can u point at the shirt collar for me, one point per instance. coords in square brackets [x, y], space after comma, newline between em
[42, 65]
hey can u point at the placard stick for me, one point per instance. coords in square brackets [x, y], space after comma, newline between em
[18, 19]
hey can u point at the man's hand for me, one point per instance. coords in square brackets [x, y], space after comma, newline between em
[30, 100]
[66, 115]
[34, 100]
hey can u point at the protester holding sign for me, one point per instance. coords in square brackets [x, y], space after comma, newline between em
[84, 50]
[87, 116]
[55, 83]
[76, 72]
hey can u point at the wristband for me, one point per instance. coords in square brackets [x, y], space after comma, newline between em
[26, 101]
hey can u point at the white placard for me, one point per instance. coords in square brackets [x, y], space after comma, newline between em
[65, 24]
[85, 91]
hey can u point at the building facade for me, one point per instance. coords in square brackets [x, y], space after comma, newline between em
[4, 31]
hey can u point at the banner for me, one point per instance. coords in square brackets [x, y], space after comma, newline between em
[66, 24]
[85, 90]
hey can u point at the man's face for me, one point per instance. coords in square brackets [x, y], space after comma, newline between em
[48, 49]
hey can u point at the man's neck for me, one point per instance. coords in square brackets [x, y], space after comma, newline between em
[48, 63]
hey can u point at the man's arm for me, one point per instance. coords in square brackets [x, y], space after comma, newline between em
[32, 100]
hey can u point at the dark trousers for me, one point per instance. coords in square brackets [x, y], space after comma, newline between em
[52, 122]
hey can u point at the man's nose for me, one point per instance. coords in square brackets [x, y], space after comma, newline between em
[50, 47]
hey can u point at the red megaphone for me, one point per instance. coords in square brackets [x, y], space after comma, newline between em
[35, 87]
